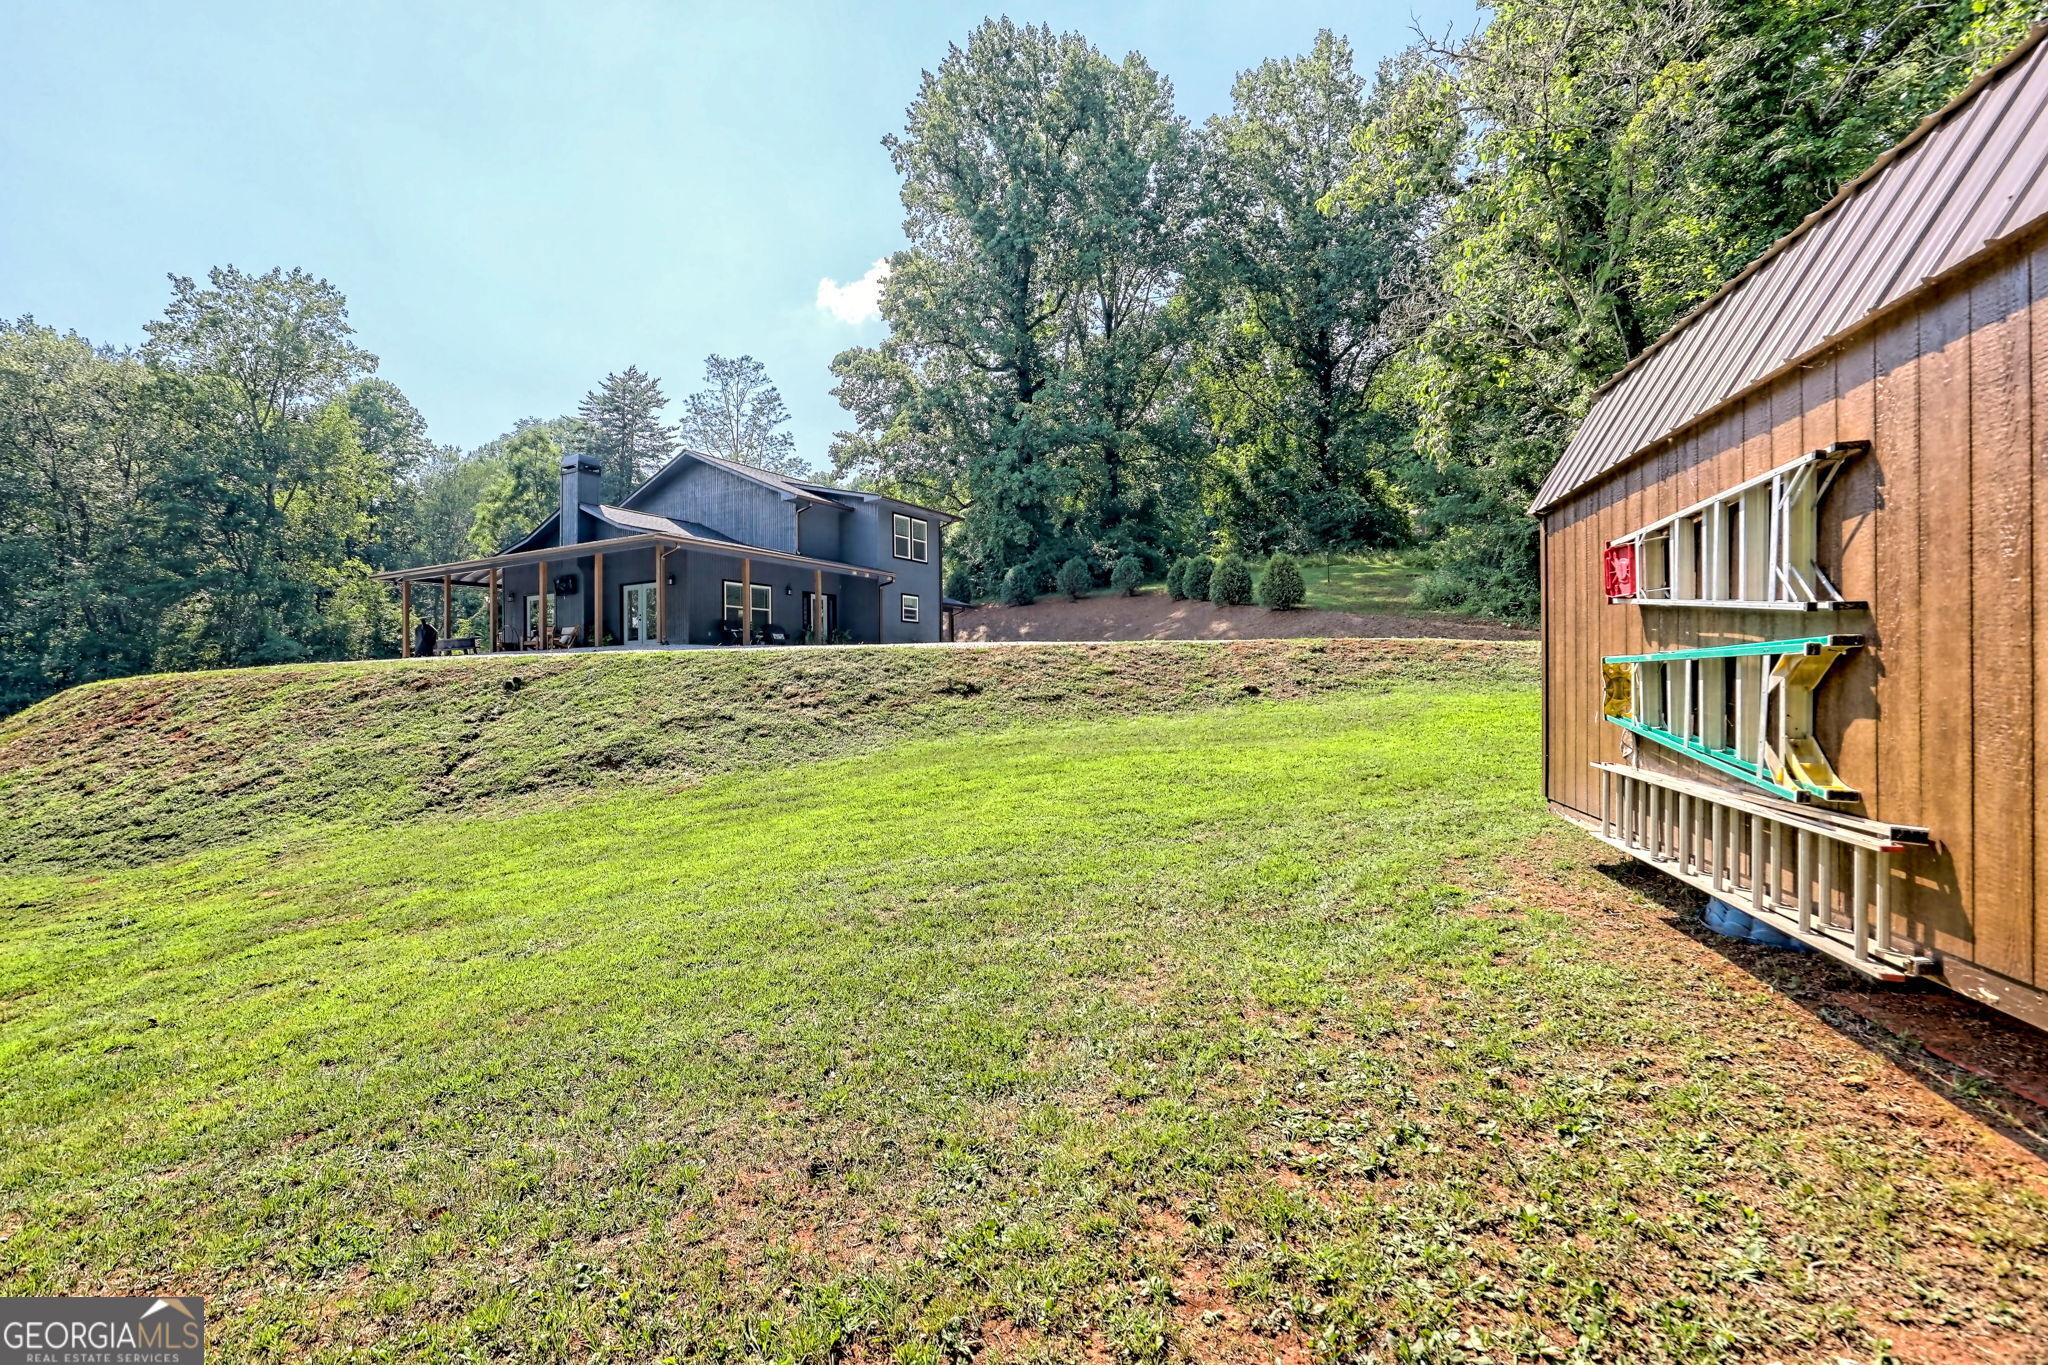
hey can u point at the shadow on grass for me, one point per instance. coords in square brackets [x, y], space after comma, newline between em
[1822, 988]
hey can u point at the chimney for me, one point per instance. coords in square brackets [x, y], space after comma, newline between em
[582, 482]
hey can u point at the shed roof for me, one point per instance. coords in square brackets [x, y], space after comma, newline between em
[1968, 179]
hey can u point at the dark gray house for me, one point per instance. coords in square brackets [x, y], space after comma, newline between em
[706, 552]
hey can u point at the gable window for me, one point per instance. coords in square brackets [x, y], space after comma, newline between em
[910, 612]
[912, 539]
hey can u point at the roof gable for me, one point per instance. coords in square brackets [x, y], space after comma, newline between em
[1968, 179]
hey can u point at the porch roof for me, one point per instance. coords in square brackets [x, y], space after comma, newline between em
[475, 573]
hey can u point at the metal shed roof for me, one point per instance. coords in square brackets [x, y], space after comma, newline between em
[1969, 178]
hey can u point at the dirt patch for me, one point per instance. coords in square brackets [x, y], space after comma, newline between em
[1154, 616]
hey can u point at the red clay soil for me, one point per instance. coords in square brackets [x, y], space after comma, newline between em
[1155, 616]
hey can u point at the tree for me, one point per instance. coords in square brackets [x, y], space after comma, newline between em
[1029, 376]
[81, 449]
[1075, 579]
[626, 433]
[1299, 288]
[1586, 172]
[1195, 582]
[738, 417]
[270, 489]
[1280, 586]
[1231, 585]
[1125, 576]
[525, 489]
[1176, 579]
[1019, 588]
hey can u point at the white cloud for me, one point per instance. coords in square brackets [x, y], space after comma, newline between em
[857, 301]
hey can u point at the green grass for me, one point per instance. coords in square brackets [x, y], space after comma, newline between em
[1380, 584]
[1201, 1031]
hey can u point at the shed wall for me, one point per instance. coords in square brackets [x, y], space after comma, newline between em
[1942, 720]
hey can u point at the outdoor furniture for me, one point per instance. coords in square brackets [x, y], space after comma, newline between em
[567, 637]
[729, 632]
[457, 644]
[772, 634]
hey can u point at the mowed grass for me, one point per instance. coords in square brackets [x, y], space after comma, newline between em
[1219, 1034]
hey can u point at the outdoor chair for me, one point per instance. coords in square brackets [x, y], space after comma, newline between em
[729, 632]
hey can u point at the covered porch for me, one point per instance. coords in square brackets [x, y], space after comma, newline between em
[642, 591]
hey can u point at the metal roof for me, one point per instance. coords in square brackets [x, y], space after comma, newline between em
[1969, 178]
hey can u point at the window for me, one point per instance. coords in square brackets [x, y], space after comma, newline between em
[764, 602]
[911, 541]
[910, 603]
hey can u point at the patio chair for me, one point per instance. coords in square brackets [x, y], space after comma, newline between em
[729, 631]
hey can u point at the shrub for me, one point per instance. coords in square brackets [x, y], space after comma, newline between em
[1018, 588]
[1126, 574]
[1231, 584]
[1177, 579]
[1073, 579]
[1195, 583]
[959, 584]
[1280, 587]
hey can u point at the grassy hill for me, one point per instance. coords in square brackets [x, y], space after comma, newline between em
[1030, 1004]
[126, 771]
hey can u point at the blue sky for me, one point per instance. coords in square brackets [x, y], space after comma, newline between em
[517, 198]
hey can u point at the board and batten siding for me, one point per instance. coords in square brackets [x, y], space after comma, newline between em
[1942, 719]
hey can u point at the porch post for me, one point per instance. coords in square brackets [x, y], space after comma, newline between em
[405, 618]
[661, 594]
[746, 600]
[596, 600]
[542, 589]
[497, 590]
[818, 619]
[447, 606]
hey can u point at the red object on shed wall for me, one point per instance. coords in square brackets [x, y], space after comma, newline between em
[1621, 570]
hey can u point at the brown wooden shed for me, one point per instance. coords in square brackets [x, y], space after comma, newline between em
[1795, 562]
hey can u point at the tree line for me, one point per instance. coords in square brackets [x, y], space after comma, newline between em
[221, 495]
[1354, 310]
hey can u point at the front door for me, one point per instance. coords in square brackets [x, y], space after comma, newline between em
[641, 626]
[831, 613]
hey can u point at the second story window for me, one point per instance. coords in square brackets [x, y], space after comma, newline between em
[912, 539]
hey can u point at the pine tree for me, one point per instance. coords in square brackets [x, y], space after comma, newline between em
[1074, 579]
[626, 429]
[1126, 575]
[1195, 582]
[1177, 579]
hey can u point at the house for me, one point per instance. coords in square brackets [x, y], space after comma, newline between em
[1795, 571]
[704, 545]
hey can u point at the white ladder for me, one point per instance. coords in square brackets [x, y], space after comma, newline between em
[1817, 876]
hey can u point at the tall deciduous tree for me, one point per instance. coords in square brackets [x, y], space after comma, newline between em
[1298, 285]
[739, 415]
[626, 430]
[1025, 381]
[272, 489]
[525, 487]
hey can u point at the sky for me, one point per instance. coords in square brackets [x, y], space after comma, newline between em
[518, 198]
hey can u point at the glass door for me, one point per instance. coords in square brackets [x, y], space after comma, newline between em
[641, 627]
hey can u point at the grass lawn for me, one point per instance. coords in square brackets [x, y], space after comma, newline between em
[1226, 1025]
[1380, 584]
